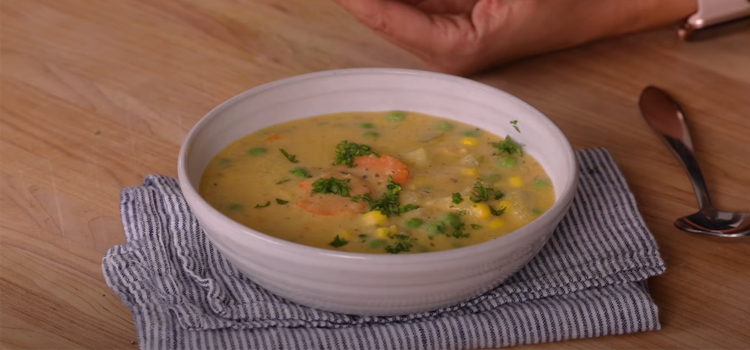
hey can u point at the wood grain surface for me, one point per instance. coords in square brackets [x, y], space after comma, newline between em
[96, 94]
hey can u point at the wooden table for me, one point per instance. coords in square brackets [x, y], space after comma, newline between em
[96, 94]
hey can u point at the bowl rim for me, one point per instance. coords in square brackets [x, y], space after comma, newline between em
[560, 206]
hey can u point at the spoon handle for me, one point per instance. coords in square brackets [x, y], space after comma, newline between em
[665, 117]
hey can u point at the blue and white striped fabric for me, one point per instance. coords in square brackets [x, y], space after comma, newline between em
[588, 281]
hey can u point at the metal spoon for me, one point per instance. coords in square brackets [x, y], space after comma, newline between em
[665, 117]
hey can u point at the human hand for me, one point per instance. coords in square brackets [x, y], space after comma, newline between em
[466, 36]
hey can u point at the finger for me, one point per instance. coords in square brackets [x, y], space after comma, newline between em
[446, 6]
[409, 27]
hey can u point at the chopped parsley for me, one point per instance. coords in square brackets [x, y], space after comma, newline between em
[408, 207]
[292, 158]
[515, 125]
[458, 227]
[475, 226]
[498, 194]
[332, 185]
[264, 205]
[300, 172]
[457, 199]
[462, 212]
[458, 232]
[338, 242]
[497, 212]
[356, 198]
[236, 206]
[402, 243]
[346, 152]
[507, 146]
[281, 201]
[362, 237]
[480, 193]
[389, 204]
[282, 181]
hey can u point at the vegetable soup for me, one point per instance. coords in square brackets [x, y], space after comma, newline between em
[378, 182]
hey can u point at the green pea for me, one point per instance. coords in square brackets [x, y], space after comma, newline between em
[492, 177]
[444, 126]
[452, 219]
[225, 162]
[508, 162]
[413, 222]
[300, 172]
[376, 243]
[540, 183]
[372, 134]
[471, 133]
[367, 125]
[396, 116]
[435, 228]
[256, 152]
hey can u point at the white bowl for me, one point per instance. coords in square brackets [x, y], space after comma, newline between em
[372, 284]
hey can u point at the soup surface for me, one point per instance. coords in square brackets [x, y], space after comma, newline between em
[378, 182]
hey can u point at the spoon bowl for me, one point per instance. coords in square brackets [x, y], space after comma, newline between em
[664, 115]
[722, 224]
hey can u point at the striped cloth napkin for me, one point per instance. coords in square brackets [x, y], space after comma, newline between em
[588, 281]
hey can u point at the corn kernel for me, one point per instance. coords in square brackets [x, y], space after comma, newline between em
[393, 229]
[516, 181]
[469, 141]
[345, 235]
[470, 171]
[382, 232]
[481, 210]
[508, 205]
[497, 223]
[374, 217]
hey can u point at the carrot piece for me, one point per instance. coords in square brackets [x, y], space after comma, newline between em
[383, 166]
[274, 137]
[332, 204]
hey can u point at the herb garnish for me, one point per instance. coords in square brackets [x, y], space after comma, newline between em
[475, 226]
[362, 237]
[300, 172]
[281, 201]
[497, 212]
[338, 242]
[480, 193]
[498, 194]
[403, 243]
[264, 205]
[292, 158]
[356, 198]
[346, 152]
[458, 227]
[332, 185]
[282, 181]
[457, 199]
[515, 125]
[507, 146]
[389, 204]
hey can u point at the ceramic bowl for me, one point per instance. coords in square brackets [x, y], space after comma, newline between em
[375, 284]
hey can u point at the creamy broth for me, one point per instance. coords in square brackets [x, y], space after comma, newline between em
[451, 184]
